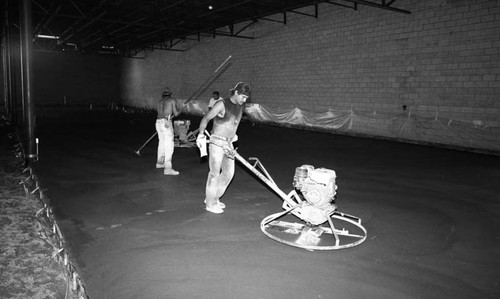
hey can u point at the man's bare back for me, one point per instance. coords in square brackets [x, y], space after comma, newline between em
[167, 107]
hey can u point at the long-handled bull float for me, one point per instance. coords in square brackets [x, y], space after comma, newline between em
[191, 137]
[323, 227]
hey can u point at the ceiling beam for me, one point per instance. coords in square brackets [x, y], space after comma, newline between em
[354, 5]
[47, 18]
[382, 5]
[315, 15]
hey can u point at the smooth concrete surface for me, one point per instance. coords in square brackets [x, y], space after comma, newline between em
[432, 215]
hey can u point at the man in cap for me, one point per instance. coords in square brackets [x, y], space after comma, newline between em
[168, 107]
[226, 115]
[215, 98]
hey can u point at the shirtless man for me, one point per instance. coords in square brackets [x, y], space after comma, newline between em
[168, 107]
[227, 115]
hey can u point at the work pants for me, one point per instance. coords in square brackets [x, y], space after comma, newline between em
[165, 142]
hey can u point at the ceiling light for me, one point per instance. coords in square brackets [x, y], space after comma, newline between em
[47, 36]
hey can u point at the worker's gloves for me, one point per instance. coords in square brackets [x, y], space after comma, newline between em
[201, 142]
[235, 138]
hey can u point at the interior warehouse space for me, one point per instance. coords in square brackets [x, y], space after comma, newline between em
[250, 149]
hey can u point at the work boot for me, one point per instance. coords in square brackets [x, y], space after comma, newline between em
[219, 203]
[216, 209]
[170, 171]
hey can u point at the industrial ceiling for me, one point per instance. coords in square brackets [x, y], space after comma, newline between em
[126, 27]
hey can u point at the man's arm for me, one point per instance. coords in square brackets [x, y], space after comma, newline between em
[175, 108]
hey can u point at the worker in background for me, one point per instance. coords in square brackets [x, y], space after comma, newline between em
[168, 107]
[215, 98]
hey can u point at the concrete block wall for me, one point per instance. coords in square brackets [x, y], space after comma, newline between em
[442, 60]
[143, 80]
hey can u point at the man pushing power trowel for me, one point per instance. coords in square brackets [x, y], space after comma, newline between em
[227, 116]
[312, 200]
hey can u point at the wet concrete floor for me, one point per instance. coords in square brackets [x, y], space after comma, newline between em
[432, 215]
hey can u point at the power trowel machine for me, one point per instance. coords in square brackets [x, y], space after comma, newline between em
[182, 136]
[323, 227]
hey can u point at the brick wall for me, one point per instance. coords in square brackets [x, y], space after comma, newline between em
[440, 61]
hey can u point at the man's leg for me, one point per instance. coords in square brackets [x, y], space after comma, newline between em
[169, 150]
[226, 175]
[215, 162]
[160, 128]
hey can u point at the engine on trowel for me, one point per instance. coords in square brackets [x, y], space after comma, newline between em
[312, 201]
[318, 188]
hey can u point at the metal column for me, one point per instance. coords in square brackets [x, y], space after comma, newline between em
[8, 60]
[27, 79]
